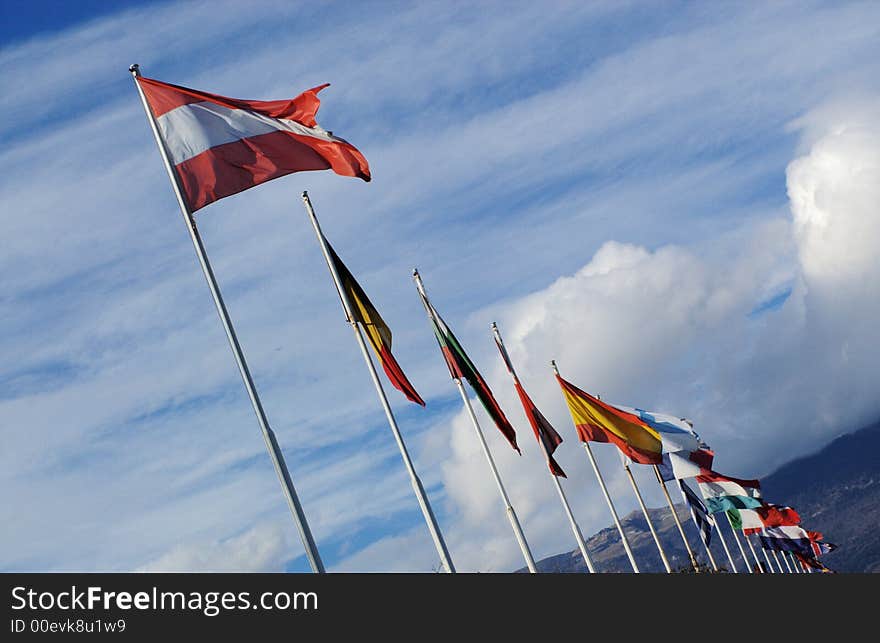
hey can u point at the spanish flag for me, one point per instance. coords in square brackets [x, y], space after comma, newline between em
[596, 421]
[375, 327]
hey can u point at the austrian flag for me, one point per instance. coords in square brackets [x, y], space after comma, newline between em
[221, 146]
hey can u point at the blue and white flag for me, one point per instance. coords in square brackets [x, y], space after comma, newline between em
[702, 518]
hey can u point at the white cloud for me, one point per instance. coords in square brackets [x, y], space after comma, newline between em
[264, 548]
[672, 331]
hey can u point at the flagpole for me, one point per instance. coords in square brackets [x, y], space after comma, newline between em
[635, 488]
[623, 539]
[711, 518]
[794, 562]
[767, 558]
[706, 545]
[724, 544]
[785, 560]
[511, 514]
[739, 544]
[754, 553]
[795, 565]
[675, 518]
[421, 496]
[274, 449]
[576, 530]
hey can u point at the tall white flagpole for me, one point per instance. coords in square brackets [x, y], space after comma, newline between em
[684, 539]
[706, 545]
[724, 544]
[776, 558]
[754, 553]
[767, 558]
[576, 530]
[785, 560]
[635, 489]
[623, 539]
[347, 308]
[274, 449]
[739, 544]
[697, 525]
[511, 514]
[795, 563]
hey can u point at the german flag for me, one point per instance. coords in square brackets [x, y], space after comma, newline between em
[596, 421]
[375, 327]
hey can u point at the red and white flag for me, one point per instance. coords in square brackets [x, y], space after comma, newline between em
[221, 146]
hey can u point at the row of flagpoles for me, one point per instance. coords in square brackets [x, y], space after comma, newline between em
[213, 146]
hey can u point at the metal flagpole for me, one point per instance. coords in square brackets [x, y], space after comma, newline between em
[675, 518]
[623, 538]
[778, 564]
[739, 544]
[787, 566]
[578, 536]
[767, 558]
[706, 545]
[635, 487]
[511, 514]
[724, 544]
[754, 553]
[794, 562]
[697, 525]
[347, 308]
[268, 435]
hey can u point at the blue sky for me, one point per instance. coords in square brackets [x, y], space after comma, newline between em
[677, 201]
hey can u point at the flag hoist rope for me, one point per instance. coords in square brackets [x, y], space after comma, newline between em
[623, 539]
[419, 490]
[578, 536]
[511, 514]
[268, 435]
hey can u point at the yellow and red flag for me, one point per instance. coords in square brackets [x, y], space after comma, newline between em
[376, 329]
[597, 421]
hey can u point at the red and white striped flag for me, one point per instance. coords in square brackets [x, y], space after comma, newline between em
[221, 146]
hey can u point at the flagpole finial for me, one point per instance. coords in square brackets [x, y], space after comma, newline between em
[135, 69]
[494, 326]
[553, 366]
[305, 194]
[415, 273]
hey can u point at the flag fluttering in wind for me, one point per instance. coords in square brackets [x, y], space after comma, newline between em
[777, 515]
[376, 329]
[725, 493]
[676, 434]
[461, 366]
[702, 518]
[813, 562]
[764, 517]
[685, 464]
[787, 538]
[597, 421]
[220, 146]
[544, 431]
